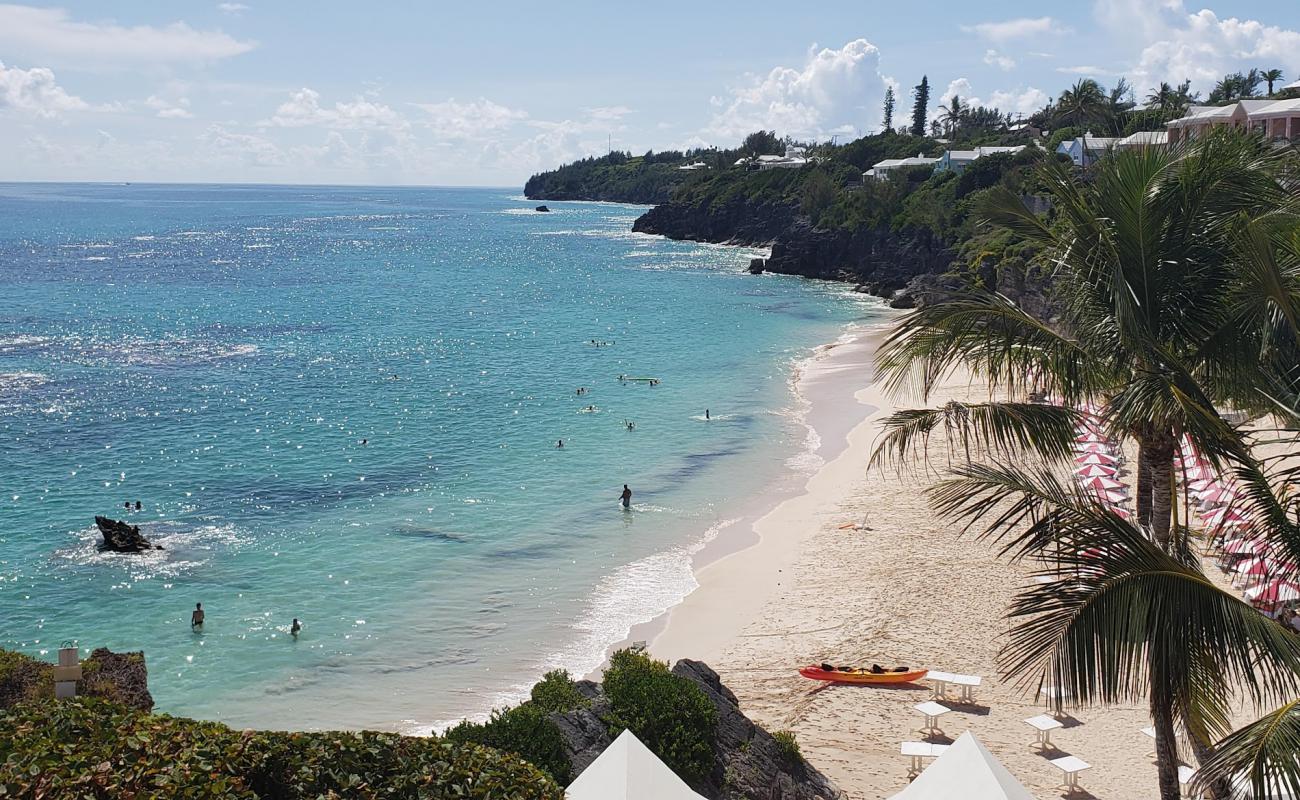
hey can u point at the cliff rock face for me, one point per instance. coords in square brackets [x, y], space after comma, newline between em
[748, 764]
[121, 677]
[882, 261]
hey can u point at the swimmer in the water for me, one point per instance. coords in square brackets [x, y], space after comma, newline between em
[559, 444]
[295, 628]
[706, 413]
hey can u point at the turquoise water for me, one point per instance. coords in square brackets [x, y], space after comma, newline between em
[342, 404]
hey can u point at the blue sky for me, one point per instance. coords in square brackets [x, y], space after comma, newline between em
[488, 93]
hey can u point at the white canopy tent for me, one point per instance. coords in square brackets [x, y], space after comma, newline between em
[627, 770]
[966, 770]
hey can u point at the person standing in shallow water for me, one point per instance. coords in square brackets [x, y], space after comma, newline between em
[626, 497]
[196, 618]
[295, 628]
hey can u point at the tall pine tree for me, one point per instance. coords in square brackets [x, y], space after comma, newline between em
[921, 109]
[889, 109]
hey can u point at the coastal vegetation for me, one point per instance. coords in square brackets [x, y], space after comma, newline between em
[1176, 279]
[92, 748]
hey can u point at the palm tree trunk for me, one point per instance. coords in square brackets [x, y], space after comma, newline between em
[1219, 790]
[1162, 714]
[1161, 461]
[1144, 482]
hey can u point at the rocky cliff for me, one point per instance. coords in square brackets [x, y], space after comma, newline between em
[880, 260]
[749, 763]
[121, 677]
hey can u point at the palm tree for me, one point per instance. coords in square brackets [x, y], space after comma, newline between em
[1119, 103]
[1271, 76]
[952, 116]
[1161, 98]
[1171, 302]
[1120, 619]
[1184, 96]
[1082, 104]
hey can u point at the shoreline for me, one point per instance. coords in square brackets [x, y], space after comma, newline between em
[708, 617]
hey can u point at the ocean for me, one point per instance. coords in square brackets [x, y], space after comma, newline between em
[343, 405]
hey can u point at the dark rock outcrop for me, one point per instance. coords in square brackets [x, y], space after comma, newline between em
[120, 537]
[542, 209]
[749, 764]
[882, 261]
[121, 677]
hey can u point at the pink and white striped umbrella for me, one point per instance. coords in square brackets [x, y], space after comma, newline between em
[1090, 437]
[1220, 517]
[1256, 567]
[1245, 546]
[1200, 486]
[1112, 498]
[1094, 447]
[1199, 475]
[1121, 513]
[1096, 458]
[1218, 495]
[1275, 591]
[1102, 482]
[1095, 470]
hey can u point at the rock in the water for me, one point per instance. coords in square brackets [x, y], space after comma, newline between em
[543, 209]
[120, 537]
[748, 764]
[757, 265]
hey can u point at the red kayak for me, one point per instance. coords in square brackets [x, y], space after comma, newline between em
[862, 676]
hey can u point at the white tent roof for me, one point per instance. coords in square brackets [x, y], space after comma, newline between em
[966, 770]
[627, 770]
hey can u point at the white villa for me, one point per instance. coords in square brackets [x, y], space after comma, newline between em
[1143, 139]
[881, 170]
[958, 160]
[694, 166]
[794, 158]
[1278, 120]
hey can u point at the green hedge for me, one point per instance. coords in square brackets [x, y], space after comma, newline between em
[90, 748]
[667, 712]
[523, 730]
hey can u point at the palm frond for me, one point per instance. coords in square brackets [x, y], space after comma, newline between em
[1264, 756]
[1008, 429]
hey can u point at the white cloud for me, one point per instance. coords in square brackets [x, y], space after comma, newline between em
[608, 113]
[1174, 44]
[303, 109]
[50, 33]
[834, 90]
[35, 91]
[1020, 28]
[232, 8]
[1088, 70]
[250, 150]
[1019, 101]
[994, 58]
[170, 110]
[455, 120]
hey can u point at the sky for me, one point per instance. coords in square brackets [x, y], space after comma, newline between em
[433, 93]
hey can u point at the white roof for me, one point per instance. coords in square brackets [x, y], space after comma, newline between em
[1144, 138]
[1279, 108]
[627, 770]
[963, 155]
[983, 150]
[1291, 85]
[966, 770]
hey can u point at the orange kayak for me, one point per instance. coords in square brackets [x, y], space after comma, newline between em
[862, 676]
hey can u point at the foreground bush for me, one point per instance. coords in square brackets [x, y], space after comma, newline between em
[525, 731]
[667, 712]
[91, 748]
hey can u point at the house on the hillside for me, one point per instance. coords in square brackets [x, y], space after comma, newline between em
[958, 160]
[1143, 139]
[1086, 149]
[693, 166]
[1277, 120]
[880, 171]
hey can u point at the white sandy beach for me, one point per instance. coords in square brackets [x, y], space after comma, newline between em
[908, 590]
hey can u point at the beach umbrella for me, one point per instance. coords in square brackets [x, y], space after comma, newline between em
[1217, 495]
[1095, 470]
[1256, 567]
[1102, 482]
[1096, 458]
[628, 770]
[1113, 497]
[1200, 474]
[1090, 438]
[1121, 513]
[1221, 517]
[1094, 447]
[1275, 591]
[1245, 547]
[966, 769]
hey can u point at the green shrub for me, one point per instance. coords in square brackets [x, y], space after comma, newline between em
[525, 731]
[667, 712]
[789, 745]
[555, 693]
[98, 749]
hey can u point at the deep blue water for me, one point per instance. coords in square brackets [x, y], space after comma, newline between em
[342, 404]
